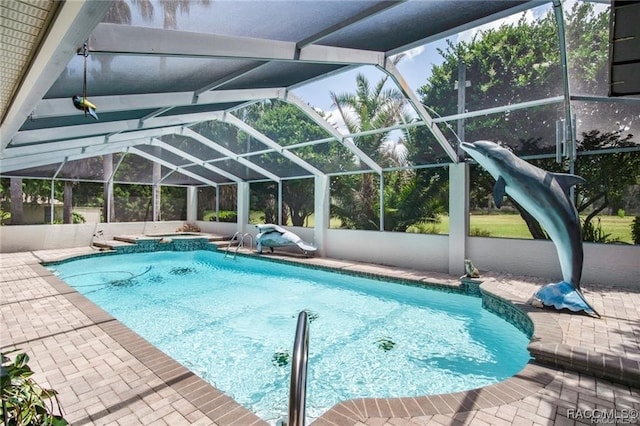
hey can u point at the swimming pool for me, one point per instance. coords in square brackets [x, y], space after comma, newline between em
[232, 322]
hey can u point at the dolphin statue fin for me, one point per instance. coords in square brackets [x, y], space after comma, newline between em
[499, 191]
[566, 181]
[563, 295]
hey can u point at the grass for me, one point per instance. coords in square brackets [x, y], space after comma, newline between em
[505, 225]
[512, 226]
[500, 225]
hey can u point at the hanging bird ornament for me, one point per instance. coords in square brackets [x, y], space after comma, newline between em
[81, 102]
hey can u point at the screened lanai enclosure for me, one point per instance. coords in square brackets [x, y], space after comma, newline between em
[336, 118]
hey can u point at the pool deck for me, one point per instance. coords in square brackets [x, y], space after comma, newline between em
[107, 374]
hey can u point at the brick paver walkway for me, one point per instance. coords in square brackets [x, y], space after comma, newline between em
[106, 374]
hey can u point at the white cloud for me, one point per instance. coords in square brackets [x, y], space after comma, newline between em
[335, 118]
[410, 54]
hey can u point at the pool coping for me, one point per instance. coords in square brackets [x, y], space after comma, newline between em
[546, 346]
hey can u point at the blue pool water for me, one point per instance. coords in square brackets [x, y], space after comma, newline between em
[232, 322]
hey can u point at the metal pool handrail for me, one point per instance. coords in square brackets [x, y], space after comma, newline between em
[241, 238]
[298, 386]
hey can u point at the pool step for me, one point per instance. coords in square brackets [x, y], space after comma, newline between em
[134, 238]
[120, 241]
[111, 244]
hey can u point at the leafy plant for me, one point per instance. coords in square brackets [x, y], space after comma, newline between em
[188, 227]
[227, 216]
[76, 218]
[24, 402]
[431, 226]
[479, 232]
[635, 230]
[4, 217]
[594, 233]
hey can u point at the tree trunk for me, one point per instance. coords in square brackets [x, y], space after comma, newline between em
[534, 227]
[17, 215]
[67, 210]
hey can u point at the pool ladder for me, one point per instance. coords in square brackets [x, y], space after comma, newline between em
[240, 236]
[298, 384]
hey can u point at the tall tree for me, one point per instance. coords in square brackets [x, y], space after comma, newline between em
[287, 125]
[17, 215]
[370, 107]
[520, 62]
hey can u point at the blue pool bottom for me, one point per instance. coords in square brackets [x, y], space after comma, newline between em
[369, 349]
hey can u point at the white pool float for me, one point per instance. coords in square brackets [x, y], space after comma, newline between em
[275, 236]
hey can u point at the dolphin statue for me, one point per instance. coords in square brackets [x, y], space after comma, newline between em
[545, 196]
[271, 236]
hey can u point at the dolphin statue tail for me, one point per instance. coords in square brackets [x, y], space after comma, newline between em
[563, 295]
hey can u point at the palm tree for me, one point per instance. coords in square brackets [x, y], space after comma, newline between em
[369, 108]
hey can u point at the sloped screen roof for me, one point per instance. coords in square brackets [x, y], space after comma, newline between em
[159, 72]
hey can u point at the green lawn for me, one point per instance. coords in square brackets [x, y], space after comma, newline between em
[512, 226]
[506, 226]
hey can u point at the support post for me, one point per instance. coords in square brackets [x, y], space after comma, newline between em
[217, 203]
[321, 212]
[155, 205]
[458, 216]
[243, 206]
[279, 201]
[381, 198]
[192, 204]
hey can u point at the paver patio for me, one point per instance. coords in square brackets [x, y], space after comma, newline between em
[107, 374]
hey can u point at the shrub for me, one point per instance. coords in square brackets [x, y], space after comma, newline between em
[227, 216]
[188, 227]
[479, 232]
[75, 218]
[24, 402]
[594, 233]
[635, 230]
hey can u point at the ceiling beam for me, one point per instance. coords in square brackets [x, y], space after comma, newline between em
[64, 107]
[78, 153]
[343, 139]
[70, 28]
[235, 121]
[171, 166]
[228, 153]
[196, 161]
[391, 70]
[86, 142]
[116, 39]
[106, 128]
